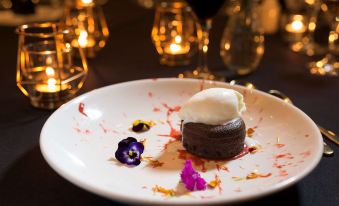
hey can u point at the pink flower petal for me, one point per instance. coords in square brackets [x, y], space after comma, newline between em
[191, 178]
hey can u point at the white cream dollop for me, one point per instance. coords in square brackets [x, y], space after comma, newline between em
[213, 106]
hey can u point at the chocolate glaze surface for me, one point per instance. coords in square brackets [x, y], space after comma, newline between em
[214, 141]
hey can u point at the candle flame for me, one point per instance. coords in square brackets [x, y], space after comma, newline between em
[205, 48]
[178, 39]
[86, 1]
[51, 84]
[83, 38]
[175, 48]
[297, 25]
[49, 60]
[50, 71]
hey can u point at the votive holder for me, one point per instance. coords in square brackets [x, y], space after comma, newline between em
[88, 21]
[174, 32]
[47, 73]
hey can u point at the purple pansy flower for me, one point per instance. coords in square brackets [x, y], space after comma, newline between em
[129, 151]
[191, 178]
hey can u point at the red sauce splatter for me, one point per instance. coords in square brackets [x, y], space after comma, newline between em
[156, 109]
[305, 154]
[202, 85]
[237, 190]
[279, 145]
[81, 109]
[82, 131]
[266, 175]
[241, 154]
[280, 167]
[197, 161]
[285, 155]
[169, 143]
[258, 123]
[78, 130]
[283, 173]
[252, 149]
[219, 185]
[103, 128]
[150, 94]
[174, 133]
[201, 162]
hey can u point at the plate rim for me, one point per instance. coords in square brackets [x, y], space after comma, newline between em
[135, 200]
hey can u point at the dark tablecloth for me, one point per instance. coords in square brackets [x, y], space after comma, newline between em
[25, 177]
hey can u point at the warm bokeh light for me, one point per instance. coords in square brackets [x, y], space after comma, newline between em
[297, 25]
[51, 84]
[86, 1]
[50, 71]
[83, 39]
[178, 39]
[175, 48]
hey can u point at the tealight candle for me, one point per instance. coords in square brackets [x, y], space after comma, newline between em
[84, 3]
[177, 47]
[46, 72]
[84, 41]
[296, 25]
[52, 85]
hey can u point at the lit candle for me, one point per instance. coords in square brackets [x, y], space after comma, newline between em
[51, 86]
[177, 48]
[297, 25]
[85, 2]
[84, 41]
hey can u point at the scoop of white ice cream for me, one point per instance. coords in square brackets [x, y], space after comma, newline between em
[213, 106]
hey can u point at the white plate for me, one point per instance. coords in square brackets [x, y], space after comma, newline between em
[81, 146]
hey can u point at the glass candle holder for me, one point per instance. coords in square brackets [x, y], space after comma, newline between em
[46, 71]
[242, 43]
[294, 27]
[299, 26]
[87, 19]
[174, 32]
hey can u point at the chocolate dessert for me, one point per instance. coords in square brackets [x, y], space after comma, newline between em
[211, 123]
[214, 141]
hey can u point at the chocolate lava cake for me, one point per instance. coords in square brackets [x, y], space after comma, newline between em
[214, 141]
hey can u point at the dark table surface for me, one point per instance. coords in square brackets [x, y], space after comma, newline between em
[25, 177]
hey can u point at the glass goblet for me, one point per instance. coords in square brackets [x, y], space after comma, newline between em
[329, 65]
